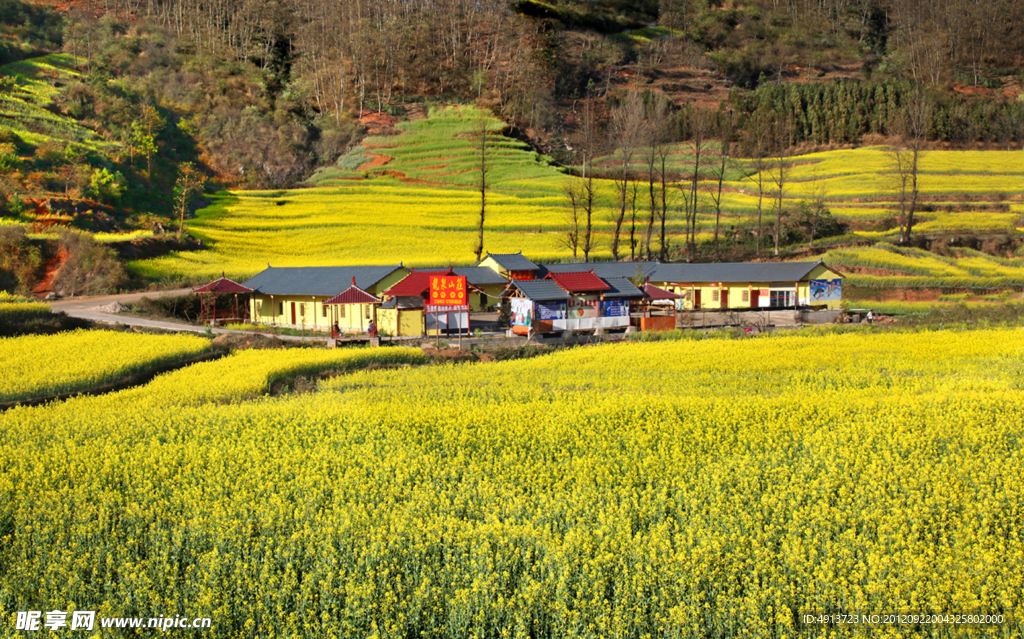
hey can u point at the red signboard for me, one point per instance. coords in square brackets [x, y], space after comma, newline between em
[448, 290]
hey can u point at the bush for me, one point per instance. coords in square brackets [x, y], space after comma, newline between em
[19, 260]
[106, 187]
[183, 307]
[90, 269]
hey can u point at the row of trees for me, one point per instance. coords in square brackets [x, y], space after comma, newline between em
[843, 112]
[643, 131]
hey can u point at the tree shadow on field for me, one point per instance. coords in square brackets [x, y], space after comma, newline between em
[220, 204]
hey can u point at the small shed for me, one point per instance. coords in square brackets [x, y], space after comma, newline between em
[618, 301]
[659, 309]
[539, 305]
[219, 290]
[511, 266]
[397, 319]
[583, 308]
[352, 310]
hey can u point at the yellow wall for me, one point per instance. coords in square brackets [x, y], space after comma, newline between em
[731, 292]
[494, 291]
[270, 312]
[489, 262]
[411, 322]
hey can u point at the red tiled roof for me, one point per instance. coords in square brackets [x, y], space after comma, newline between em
[579, 282]
[652, 292]
[222, 285]
[353, 295]
[415, 284]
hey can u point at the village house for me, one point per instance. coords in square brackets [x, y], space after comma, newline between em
[730, 286]
[752, 285]
[296, 296]
[511, 266]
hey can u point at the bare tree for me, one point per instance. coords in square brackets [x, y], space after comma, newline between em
[481, 132]
[701, 125]
[657, 149]
[587, 143]
[782, 135]
[904, 157]
[627, 125]
[190, 181]
[725, 149]
[634, 191]
[573, 189]
[814, 214]
[759, 132]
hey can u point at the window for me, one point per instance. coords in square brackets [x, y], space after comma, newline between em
[323, 308]
[367, 307]
[281, 312]
[689, 296]
[341, 311]
[746, 296]
[714, 295]
[781, 298]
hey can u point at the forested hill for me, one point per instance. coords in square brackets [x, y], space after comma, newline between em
[107, 105]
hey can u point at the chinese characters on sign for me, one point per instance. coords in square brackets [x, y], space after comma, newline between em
[55, 620]
[448, 290]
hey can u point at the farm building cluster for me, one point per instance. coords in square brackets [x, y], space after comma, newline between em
[537, 298]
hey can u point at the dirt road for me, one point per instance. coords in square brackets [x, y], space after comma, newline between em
[84, 308]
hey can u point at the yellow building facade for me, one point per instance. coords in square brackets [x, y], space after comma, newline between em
[752, 285]
[295, 297]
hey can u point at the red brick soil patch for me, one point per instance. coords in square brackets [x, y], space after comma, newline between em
[53, 266]
[408, 180]
[377, 161]
[379, 123]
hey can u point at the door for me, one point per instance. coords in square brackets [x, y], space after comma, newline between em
[755, 295]
[293, 313]
[696, 298]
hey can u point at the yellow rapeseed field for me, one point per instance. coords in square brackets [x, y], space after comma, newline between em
[708, 488]
[49, 365]
[16, 310]
[422, 207]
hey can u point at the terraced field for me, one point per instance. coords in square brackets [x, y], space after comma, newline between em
[420, 206]
[909, 267]
[28, 110]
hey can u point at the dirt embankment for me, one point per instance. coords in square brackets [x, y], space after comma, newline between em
[50, 272]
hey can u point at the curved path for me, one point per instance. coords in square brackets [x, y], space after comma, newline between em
[82, 307]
